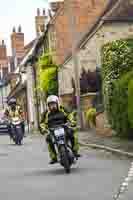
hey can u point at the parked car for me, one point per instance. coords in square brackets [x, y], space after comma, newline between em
[3, 124]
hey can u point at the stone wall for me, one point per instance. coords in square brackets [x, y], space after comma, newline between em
[67, 100]
[100, 125]
[86, 103]
[89, 56]
[108, 33]
[116, 30]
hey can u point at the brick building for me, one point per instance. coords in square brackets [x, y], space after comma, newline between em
[115, 23]
[3, 59]
[85, 14]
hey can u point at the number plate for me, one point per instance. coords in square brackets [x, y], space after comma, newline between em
[59, 132]
[3, 126]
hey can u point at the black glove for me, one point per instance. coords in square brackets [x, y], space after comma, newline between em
[73, 125]
[42, 132]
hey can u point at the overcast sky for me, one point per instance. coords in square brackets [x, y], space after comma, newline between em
[15, 12]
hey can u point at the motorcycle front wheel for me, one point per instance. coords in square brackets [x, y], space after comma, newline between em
[65, 159]
[19, 137]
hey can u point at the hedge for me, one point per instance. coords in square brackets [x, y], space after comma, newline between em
[117, 59]
[130, 102]
[121, 112]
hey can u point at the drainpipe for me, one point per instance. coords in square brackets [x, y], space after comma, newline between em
[57, 81]
[2, 96]
[27, 116]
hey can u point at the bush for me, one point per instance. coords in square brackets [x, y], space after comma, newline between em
[130, 103]
[116, 61]
[121, 113]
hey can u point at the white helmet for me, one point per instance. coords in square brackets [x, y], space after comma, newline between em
[52, 98]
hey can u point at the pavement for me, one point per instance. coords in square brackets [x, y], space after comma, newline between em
[109, 143]
[25, 173]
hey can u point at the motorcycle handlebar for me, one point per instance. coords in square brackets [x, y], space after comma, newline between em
[66, 125]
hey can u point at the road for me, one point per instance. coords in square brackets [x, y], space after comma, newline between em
[26, 175]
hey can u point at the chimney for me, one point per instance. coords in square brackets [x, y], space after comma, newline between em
[40, 21]
[17, 44]
[19, 29]
[13, 30]
[56, 5]
[44, 12]
[3, 59]
[3, 50]
[3, 43]
[38, 12]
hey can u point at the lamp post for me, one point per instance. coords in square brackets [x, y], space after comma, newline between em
[68, 4]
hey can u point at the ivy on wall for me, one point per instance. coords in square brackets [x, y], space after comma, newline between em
[117, 59]
[47, 75]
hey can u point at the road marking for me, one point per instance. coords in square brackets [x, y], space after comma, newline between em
[124, 186]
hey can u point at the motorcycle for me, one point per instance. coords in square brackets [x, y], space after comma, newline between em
[16, 130]
[63, 147]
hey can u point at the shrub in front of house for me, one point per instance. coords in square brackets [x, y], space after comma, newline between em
[122, 108]
[116, 61]
[130, 102]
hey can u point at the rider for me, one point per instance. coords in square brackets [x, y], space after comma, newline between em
[14, 110]
[56, 115]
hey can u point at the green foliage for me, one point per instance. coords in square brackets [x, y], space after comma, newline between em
[119, 101]
[45, 61]
[116, 61]
[47, 74]
[130, 102]
[117, 58]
